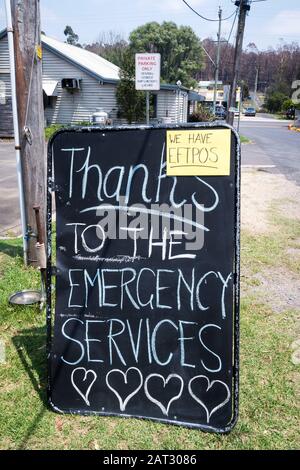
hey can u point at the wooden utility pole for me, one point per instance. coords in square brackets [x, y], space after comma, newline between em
[256, 82]
[244, 6]
[28, 62]
[217, 61]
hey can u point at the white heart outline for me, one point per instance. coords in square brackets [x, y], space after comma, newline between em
[209, 385]
[123, 404]
[86, 372]
[165, 381]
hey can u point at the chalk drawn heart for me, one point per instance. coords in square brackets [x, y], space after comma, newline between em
[209, 386]
[85, 395]
[123, 403]
[164, 409]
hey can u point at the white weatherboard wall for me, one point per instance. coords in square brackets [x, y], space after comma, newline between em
[182, 106]
[79, 105]
[172, 104]
[6, 118]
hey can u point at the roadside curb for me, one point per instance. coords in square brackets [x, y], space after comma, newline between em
[293, 128]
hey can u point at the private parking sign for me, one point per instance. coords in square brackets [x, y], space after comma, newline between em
[147, 71]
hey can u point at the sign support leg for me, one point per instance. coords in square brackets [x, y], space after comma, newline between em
[147, 108]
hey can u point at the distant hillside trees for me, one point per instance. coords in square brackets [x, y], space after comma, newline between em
[111, 46]
[182, 58]
[277, 67]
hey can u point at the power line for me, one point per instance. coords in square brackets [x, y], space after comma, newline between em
[232, 26]
[207, 54]
[204, 17]
[227, 41]
[251, 1]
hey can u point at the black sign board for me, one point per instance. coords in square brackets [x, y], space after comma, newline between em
[146, 304]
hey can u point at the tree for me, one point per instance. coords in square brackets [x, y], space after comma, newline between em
[278, 67]
[72, 38]
[274, 101]
[244, 89]
[180, 49]
[130, 101]
[109, 45]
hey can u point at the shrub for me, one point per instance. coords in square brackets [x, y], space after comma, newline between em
[202, 114]
[274, 102]
[287, 104]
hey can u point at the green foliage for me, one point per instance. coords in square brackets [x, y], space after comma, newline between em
[280, 87]
[180, 49]
[277, 97]
[287, 104]
[50, 130]
[244, 89]
[274, 101]
[114, 53]
[111, 46]
[201, 114]
[244, 139]
[181, 59]
[131, 102]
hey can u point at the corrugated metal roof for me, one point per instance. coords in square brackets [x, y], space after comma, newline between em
[93, 63]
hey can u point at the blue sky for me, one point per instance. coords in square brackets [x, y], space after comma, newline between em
[268, 22]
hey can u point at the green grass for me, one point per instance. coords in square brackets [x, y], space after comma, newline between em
[244, 139]
[50, 130]
[269, 416]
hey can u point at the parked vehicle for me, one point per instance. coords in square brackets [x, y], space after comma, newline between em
[250, 112]
[290, 113]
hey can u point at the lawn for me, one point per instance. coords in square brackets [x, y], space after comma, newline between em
[269, 416]
[244, 139]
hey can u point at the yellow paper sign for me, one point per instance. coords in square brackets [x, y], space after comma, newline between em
[39, 52]
[199, 152]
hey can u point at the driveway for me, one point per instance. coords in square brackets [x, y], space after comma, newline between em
[9, 199]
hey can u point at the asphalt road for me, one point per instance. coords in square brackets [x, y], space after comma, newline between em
[272, 144]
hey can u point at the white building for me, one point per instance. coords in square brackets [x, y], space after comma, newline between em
[77, 82]
[206, 89]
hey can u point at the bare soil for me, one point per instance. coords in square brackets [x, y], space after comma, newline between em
[279, 287]
[260, 191]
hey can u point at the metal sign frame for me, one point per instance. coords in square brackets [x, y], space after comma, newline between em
[236, 283]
